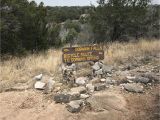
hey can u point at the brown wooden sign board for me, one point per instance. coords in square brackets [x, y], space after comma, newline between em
[82, 54]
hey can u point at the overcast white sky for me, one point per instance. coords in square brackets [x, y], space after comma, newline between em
[75, 2]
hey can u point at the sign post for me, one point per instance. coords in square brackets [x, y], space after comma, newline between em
[82, 54]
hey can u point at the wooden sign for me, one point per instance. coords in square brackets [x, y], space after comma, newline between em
[82, 54]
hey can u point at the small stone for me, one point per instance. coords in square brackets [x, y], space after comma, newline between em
[84, 96]
[103, 80]
[79, 90]
[96, 66]
[75, 106]
[38, 77]
[99, 72]
[81, 80]
[130, 77]
[62, 98]
[110, 82]
[99, 87]
[107, 69]
[57, 89]
[39, 85]
[133, 87]
[50, 84]
[74, 95]
[90, 87]
[141, 80]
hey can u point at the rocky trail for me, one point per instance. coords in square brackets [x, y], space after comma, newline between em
[101, 92]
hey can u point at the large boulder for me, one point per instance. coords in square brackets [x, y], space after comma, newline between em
[133, 87]
[75, 106]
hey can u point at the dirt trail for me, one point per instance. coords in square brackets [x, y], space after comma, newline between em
[33, 105]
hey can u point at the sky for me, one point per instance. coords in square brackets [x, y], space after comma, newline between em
[74, 2]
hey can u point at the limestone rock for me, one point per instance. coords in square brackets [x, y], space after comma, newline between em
[133, 87]
[107, 69]
[38, 77]
[99, 72]
[152, 77]
[110, 82]
[84, 96]
[96, 66]
[81, 80]
[39, 85]
[90, 87]
[75, 106]
[141, 80]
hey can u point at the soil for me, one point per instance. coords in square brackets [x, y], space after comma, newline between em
[33, 105]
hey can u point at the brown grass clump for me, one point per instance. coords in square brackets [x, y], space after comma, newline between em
[23, 69]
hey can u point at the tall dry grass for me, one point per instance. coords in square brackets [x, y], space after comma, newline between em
[23, 69]
[118, 52]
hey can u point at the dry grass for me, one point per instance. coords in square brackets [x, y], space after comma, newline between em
[23, 69]
[117, 52]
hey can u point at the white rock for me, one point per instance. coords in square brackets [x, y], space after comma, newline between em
[130, 78]
[103, 80]
[90, 87]
[38, 77]
[84, 96]
[96, 66]
[99, 72]
[39, 85]
[81, 80]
